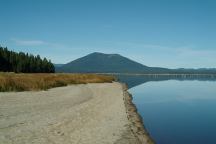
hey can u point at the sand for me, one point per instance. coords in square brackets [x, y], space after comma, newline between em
[76, 114]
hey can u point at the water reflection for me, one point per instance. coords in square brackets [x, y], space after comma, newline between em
[135, 80]
[176, 109]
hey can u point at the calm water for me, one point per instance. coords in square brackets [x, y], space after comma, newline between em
[177, 112]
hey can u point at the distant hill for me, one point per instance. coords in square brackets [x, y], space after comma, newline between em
[107, 63]
[195, 71]
[58, 65]
[115, 63]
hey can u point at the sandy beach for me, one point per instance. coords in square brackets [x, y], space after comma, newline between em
[76, 114]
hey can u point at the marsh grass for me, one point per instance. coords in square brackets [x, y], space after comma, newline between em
[34, 82]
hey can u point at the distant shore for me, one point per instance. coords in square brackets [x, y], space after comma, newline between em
[83, 113]
[161, 74]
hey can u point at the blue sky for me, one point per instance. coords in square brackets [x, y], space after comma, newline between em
[166, 33]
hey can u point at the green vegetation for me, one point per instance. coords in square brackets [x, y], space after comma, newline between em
[27, 82]
[107, 63]
[20, 62]
[115, 63]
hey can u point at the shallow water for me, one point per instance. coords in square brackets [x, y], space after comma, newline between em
[178, 112]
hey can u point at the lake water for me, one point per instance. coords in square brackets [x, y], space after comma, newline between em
[176, 110]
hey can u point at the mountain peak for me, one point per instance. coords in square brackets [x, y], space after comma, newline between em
[98, 62]
[104, 54]
[96, 53]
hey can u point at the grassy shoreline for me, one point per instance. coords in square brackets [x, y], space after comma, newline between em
[44, 81]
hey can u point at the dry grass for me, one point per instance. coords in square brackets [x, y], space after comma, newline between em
[28, 82]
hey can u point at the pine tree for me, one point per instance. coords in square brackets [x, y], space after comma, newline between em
[20, 62]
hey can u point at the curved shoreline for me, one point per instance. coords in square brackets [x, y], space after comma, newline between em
[136, 121]
[84, 114]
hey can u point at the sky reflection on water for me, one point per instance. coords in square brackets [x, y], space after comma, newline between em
[177, 112]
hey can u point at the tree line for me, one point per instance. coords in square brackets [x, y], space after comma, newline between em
[11, 61]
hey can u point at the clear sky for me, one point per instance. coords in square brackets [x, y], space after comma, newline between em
[166, 33]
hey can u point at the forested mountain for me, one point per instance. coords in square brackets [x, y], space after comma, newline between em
[115, 63]
[26, 63]
[107, 63]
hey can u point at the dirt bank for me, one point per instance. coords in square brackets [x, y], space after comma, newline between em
[76, 114]
[136, 122]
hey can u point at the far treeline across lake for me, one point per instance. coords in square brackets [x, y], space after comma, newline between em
[23, 62]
